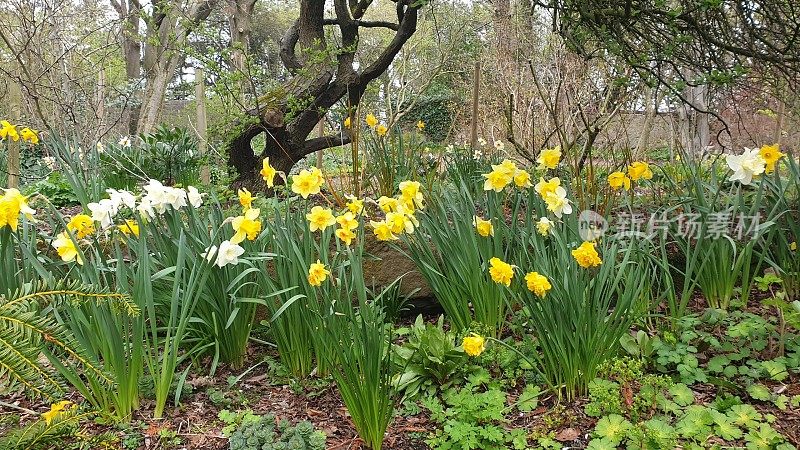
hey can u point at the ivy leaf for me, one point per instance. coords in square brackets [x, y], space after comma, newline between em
[759, 392]
[529, 398]
[612, 427]
[681, 394]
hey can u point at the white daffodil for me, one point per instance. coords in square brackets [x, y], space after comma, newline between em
[746, 166]
[122, 197]
[195, 197]
[227, 253]
[103, 212]
[557, 202]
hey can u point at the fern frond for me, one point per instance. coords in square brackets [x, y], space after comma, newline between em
[40, 433]
[27, 333]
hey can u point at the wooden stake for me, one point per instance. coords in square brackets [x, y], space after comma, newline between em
[321, 133]
[202, 122]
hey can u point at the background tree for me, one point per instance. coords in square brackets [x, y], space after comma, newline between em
[324, 67]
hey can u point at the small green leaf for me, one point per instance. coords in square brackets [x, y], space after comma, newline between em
[681, 394]
[759, 392]
[529, 398]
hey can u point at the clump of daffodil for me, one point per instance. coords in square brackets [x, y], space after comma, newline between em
[371, 120]
[538, 284]
[639, 170]
[549, 158]
[308, 182]
[586, 255]
[473, 345]
[245, 198]
[500, 271]
[317, 273]
[483, 227]
[66, 248]
[12, 204]
[543, 226]
[130, 227]
[382, 230]
[56, 409]
[82, 225]
[268, 172]
[246, 225]
[320, 218]
[771, 154]
[618, 180]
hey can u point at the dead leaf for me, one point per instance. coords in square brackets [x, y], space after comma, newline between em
[567, 434]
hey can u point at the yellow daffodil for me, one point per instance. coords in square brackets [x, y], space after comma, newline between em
[640, 170]
[66, 248]
[586, 255]
[317, 273]
[320, 218]
[382, 230]
[29, 135]
[371, 120]
[522, 179]
[347, 122]
[130, 227]
[381, 130]
[500, 271]
[8, 131]
[420, 125]
[347, 221]
[538, 284]
[268, 172]
[387, 204]
[619, 180]
[355, 205]
[399, 223]
[247, 226]
[82, 225]
[793, 246]
[549, 157]
[308, 182]
[507, 166]
[484, 227]
[411, 195]
[771, 154]
[245, 198]
[545, 187]
[543, 226]
[557, 202]
[12, 204]
[55, 410]
[345, 235]
[473, 345]
[496, 180]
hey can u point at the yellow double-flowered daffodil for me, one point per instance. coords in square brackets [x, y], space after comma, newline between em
[500, 271]
[586, 255]
[473, 345]
[382, 230]
[549, 158]
[538, 284]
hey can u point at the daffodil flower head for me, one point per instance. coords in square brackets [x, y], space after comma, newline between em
[81, 225]
[483, 227]
[66, 248]
[558, 203]
[382, 230]
[771, 154]
[246, 225]
[500, 271]
[268, 172]
[639, 170]
[549, 158]
[308, 182]
[473, 345]
[317, 273]
[746, 166]
[618, 180]
[538, 284]
[586, 255]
